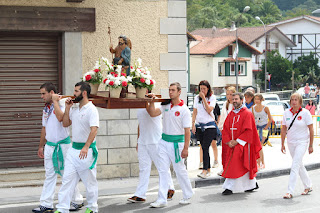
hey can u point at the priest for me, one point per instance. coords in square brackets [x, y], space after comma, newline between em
[243, 146]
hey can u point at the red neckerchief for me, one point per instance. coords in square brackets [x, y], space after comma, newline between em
[293, 113]
[180, 104]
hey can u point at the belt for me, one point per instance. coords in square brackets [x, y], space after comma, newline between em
[175, 139]
[79, 146]
[57, 155]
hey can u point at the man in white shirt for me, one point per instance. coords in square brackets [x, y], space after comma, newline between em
[82, 157]
[149, 134]
[55, 138]
[174, 145]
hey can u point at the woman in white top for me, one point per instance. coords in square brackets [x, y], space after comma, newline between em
[297, 125]
[226, 108]
[204, 125]
[263, 120]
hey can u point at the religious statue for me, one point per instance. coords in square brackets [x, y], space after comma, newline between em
[122, 53]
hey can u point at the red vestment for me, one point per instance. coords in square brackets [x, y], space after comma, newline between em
[240, 159]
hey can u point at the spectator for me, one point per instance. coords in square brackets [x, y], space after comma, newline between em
[263, 120]
[312, 93]
[249, 99]
[204, 124]
[317, 94]
[226, 109]
[214, 143]
[306, 90]
[311, 107]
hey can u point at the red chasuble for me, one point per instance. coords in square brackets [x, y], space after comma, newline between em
[240, 159]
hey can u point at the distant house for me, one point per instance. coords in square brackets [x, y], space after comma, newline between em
[212, 59]
[304, 31]
[255, 36]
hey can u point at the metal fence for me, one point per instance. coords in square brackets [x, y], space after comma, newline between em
[275, 128]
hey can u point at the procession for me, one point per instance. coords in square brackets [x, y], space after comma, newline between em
[142, 106]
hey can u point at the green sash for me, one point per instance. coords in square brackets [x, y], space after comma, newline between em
[79, 146]
[57, 155]
[175, 139]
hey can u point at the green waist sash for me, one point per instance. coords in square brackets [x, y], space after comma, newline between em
[175, 139]
[79, 146]
[57, 155]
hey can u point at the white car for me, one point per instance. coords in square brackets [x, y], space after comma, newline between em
[277, 114]
[270, 97]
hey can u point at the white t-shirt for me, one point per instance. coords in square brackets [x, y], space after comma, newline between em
[55, 131]
[82, 119]
[224, 114]
[299, 131]
[150, 128]
[175, 118]
[202, 115]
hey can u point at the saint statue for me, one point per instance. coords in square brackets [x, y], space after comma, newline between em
[122, 53]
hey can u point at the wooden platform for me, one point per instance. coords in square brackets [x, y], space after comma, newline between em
[102, 100]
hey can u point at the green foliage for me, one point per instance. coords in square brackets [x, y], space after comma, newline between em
[220, 13]
[305, 64]
[279, 67]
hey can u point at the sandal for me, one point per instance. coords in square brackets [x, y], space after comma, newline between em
[306, 191]
[288, 196]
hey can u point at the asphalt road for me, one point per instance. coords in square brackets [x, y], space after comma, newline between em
[268, 198]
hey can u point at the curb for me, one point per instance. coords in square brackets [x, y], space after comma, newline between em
[198, 183]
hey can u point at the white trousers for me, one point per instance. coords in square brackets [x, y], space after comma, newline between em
[74, 170]
[240, 184]
[49, 184]
[297, 151]
[167, 156]
[147, 154]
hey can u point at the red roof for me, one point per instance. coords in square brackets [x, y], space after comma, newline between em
[212, 46]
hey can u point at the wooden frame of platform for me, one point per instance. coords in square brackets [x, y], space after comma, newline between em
[103, 101]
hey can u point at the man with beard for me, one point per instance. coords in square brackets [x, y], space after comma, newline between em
[242, 151]
[122, 53]
[82, 157]
[53, 147]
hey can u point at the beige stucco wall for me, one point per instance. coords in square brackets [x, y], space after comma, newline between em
[137, 19]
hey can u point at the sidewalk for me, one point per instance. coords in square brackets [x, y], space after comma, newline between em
[276, 164]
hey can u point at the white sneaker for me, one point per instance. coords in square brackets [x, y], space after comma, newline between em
[158, 204]
[204, 176]
[185, 201]
[220, 173]
[215, 164]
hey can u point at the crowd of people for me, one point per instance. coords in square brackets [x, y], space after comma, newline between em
[242, 125]
[262, 120]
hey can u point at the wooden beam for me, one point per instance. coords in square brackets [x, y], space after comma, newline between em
[77, 1]
[67, 19]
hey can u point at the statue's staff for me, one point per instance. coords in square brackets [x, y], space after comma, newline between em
[109, 32]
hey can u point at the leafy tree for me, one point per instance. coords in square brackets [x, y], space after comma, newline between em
[305, 63]
[279, 67]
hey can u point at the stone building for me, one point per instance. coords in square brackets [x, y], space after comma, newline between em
[60, 40]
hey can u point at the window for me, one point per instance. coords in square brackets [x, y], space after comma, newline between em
[276, 45]
[293, 38]
[220, 69]
[299, 39]
[257, 59]
[241, 69]
[257, 44]
[230, 50]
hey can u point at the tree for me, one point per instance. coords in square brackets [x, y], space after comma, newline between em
[280, 69]
[304, 63]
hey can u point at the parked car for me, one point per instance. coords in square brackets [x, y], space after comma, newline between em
[277, 113]
[277, 103]
[270, 97]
